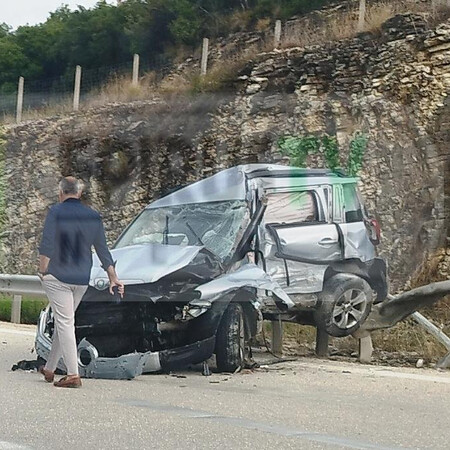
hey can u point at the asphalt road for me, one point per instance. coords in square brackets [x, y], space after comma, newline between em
[307, 403]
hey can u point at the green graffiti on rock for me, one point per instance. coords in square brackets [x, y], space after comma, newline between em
[297, 148]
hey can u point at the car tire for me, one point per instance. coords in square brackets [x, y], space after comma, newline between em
[230, 339]
[345, 303]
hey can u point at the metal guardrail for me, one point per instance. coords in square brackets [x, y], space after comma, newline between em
[20, 285]
[17, 286]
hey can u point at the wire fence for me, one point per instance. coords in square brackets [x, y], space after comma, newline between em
[57, 94]
[46, 93]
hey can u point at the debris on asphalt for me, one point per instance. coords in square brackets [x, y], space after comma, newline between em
[26, 365]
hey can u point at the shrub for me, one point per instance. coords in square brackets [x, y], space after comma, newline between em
[220, 76]
[31, 308]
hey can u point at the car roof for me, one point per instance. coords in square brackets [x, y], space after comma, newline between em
[231, 184]
[274, 170]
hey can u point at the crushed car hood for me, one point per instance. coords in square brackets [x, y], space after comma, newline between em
[145, 263]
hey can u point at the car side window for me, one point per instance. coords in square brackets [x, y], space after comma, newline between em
[291, 207]
[338, 204]
[352, 205]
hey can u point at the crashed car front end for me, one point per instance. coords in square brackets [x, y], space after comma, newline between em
[123, 339]
[180, 276]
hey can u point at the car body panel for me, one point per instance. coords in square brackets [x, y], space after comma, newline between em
[303, 278]
[357, 243]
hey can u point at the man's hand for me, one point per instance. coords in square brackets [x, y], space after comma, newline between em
[120, 287]
[114, 281]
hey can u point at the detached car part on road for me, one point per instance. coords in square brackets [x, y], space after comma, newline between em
[204, 265]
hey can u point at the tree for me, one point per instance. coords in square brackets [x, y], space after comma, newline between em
[4, 30]
[187, 23]
[108, 35]
[12, 64]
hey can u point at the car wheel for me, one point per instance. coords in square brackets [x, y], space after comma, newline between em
[345, 303]
[230, 339]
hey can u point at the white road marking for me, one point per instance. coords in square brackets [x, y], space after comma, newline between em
[440, 377]
[11, 446]
[444, 378]
[271, 428]
[19, 332]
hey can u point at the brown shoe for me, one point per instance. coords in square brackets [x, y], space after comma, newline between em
[69, 381]
[49, 376]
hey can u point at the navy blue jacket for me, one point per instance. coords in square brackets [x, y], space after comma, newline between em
[70, 231]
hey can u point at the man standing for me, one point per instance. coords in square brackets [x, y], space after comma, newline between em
[65, 261]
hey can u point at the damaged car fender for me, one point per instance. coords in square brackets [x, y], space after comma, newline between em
[248, 275]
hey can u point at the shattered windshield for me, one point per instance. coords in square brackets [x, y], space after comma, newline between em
[216, 225]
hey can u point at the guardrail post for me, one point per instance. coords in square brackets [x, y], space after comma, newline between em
[277, 337]
[365, 346]
[322, 339]
[365, 349]
[16, 309]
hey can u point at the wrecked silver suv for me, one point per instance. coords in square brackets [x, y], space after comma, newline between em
[203, 266]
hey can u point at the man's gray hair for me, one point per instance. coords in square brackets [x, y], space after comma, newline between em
[70, 186]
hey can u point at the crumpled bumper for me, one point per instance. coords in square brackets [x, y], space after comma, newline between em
[127, 366]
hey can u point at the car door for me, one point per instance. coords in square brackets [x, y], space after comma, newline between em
[299, 238]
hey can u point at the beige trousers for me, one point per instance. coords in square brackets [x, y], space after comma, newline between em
[64, 300]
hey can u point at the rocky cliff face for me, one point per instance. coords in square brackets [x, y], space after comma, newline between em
[393, 86]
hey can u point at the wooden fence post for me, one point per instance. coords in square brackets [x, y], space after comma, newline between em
[277, 34]
[77, 89]
[135, 79]
[20, 100]
[362, 15]
[277, 337]
[16, 309]
[204, 62]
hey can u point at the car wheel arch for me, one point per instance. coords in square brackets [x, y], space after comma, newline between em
[353, 267]
[333, 304]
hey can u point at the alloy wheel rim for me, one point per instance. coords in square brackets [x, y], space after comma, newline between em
[349, 308]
